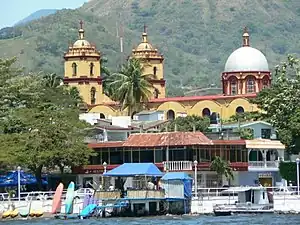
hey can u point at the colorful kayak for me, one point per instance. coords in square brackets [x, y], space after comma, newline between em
[24, 212]
[87, 211]
[14, 213]
[56, 204]
[6, 214]
[69, 198]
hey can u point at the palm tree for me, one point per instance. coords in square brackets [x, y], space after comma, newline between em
[52, 80]
[222, 168]
[131, 87]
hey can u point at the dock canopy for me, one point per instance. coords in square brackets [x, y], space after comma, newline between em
[176, 176]
[135, 169]
[177, 185]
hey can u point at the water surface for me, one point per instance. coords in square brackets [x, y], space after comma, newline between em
[171, 220]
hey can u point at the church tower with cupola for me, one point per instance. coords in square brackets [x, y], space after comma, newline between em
[82, 69]
[152, 62]
[246, 70]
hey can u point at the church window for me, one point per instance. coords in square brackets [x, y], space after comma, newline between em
[170, 115]
[205, 112]
[250, 85]
[233, 87]
[93, 96]
[74, 68]
[102, 116]
[91, 69]
[156, 92]
[239, 109]
[154, 70]
[265, 83]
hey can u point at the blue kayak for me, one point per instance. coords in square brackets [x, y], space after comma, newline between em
[87, 211]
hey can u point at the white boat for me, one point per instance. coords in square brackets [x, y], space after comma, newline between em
[250, 200]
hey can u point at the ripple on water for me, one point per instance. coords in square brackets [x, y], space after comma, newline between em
[171, 220]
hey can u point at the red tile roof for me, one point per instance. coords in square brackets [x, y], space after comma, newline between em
[199, 98]
[229, 142]
[167, 139]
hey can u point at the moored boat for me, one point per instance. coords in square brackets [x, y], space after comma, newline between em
[250, 200]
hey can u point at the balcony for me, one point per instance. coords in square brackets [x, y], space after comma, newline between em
[178, 166]
[263, 165]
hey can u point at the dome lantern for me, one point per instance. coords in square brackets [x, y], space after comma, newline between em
[246, 38]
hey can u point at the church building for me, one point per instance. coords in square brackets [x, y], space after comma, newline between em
[246, 73]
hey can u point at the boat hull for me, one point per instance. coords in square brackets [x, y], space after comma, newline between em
[229, 212]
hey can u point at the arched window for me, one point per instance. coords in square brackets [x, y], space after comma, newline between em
[239, 109]
[250, 88]
[102, 116]
[92, 69]
[156, 93]
[214, 118]
[74, 69]
[170, 115]
[233, 87]
[265, 83]
[93, 96]
[205, 112]
[154, 70]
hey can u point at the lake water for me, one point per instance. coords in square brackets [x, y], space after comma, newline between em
[168, 220]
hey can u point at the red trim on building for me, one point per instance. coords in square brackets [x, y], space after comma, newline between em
[107, 144]
[201, 98]
[67, 80]
[238, 72]
[229, 142]
[156, 81]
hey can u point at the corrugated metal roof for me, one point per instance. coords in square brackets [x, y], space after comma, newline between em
[264, 144]
[167, 139]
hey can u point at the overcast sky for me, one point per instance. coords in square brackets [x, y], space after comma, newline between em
[16, 10]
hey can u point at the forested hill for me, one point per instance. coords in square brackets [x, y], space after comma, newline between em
[196, 37]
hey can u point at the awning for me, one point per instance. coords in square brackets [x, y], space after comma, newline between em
[176, 176]
[264, 144]
[135, 169]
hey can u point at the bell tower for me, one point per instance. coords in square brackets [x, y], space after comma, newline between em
[152, 62]
[82, 69]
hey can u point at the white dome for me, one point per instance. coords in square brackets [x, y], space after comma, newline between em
[246, 59]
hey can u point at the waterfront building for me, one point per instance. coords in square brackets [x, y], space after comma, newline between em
[246, 73]
[253, 161]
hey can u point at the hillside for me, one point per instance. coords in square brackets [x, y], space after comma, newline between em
[36, 15]
[196, 37]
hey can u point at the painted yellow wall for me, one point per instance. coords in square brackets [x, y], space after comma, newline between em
[224, 108]
[83, 67]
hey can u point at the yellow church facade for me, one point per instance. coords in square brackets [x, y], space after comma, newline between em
[246, 73]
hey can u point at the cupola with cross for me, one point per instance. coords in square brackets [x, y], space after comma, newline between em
[82, 69]
[246, 70]
[152, 62]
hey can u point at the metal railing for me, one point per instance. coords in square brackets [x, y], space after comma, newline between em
[263, 164]
[34, 195]
[217, 193]
[178, 166]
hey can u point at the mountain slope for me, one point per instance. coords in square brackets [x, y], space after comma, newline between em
[196, 37]
[36, 15]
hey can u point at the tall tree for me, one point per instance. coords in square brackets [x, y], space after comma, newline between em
[131, 87]
[280, 103]
[222, 168]
[40, 126]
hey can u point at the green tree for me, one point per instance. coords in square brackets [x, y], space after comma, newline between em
[246, 133]
[40, 126]
[222, 168]
[280, 103]
[288, 171]
[189, 123]
[131, 87]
